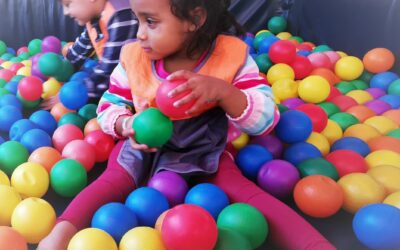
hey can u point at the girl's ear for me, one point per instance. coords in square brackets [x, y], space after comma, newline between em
[199, 15]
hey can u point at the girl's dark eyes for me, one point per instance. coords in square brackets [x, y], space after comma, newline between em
[150, 21]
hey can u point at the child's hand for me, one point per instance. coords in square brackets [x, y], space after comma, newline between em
[59, 237]
[128, 131]
[205, 89]
[50, 102]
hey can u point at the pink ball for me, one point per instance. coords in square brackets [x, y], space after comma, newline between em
[16, 66]
[51, 44]
[22, 50]
[64, 134]
[80, 151]
[233, 132]
[320, 60]
[102, 143]
[302, 67]
[6, 74]
[282, 51]
[30, 88]
[333, 56]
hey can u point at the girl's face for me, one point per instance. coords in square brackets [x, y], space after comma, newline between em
[83, 11]
[161, 34]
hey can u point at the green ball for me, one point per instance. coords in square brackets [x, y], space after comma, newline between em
[277, 24]
[359, 84]
[297, 38]
[282, 108]
[12, 154]
[50, 64]
[263, 62]
[67, 70]
[4, 92]
[257, 40]
[35, 46]
[394, 88]
[246, 220]
[68, 177]
[329, 108]
[318, 166]
[231, 240]
[395, 133]
[322, 48]
[2, 83]
[152, 128]
[6, 56]
[88, 111]
[15, 59]
[72, 118]
[366, 76]
[24, 55]
[17, 78]
[3, 47]
[344, 120]
[28, 104]
[345, 87]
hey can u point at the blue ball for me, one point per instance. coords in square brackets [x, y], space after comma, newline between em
[12, 87]
[208, 196]
[89, 65]
[8, 116]
[266, 43]
[114, 218]
[251, 158]
[148, 204]
[377, 226]
[35, 138]
[303, 53]
[79, 76]
[249, 40]
[392, 100]
[44, 120]
[74, 95]
[300, 152]
[2, 140]
[294, 126]
[352, 143]
[19, 128]
[11, 51]
[10, 99]
[383, 80]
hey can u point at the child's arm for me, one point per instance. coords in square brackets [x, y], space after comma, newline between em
[80, 50]
[122, 29]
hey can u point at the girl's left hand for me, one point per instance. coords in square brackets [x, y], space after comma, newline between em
[204, 89]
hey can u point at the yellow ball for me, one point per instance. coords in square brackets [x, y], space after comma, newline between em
[342, 54]
[393, 199]
[284, 89]
[279, 71]
[24, 71]
[284, 35]
[362, 131]
[27, 63]
[387, 176]
[30, 180]
[332, 132]
[241, 141]
[6, 65]
[319, 141]
[4, 179]
[262, 31]
[141, 238]
[33, 218]
[383, 157]
[50, 88]
[314, 89]
[92, 238]
[349, 68]
[9, 199]
[360, 96]
[383, 124]
[359, 190]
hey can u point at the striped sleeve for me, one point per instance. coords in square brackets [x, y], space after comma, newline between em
[261, 114]
[80, 50]
[115, 102]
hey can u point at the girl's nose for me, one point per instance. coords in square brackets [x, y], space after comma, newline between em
[141, 34]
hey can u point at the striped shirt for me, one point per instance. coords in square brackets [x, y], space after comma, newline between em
[122, 29]
[259, 117]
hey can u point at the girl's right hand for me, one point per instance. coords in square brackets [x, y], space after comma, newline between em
[128, 131]
[59, 237]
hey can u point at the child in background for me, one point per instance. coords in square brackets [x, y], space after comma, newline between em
[185, 39]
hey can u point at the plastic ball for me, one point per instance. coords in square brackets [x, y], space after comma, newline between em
[81, 151]
[68, 177]
[320, 60]
[19, 128]
[378, 107]
[395, 133]
[378, 60]
[284, 89]
[266, 43]
[49, 64]
[12, 154]
[241, 141]
[35, 138]
[263, 62]
[6, 74]
[383, 157]
[44, 120]
[333, 56]
[329, 108]
[383, 80]
[318, 166]
[231, 240]
[10, 100]
[13, 198]
[152, 128]
[332, 131]
[251, 158]
[383, 124]
[30, 88]
[208, 196]
[302, 67]
[11, 239]
[280, 71]
[51, 44]
[394, 88]
[30, 180]
[73, 119]
[361, 112]
[277, 24]
[385, 143]
[282, 52]
[271, 143]
[344, 120]
[92, 238]
[360, 96]
[65, 134]
[51, 88]
[4, 179]
[58, 110]
[88, 111]
[12, 87]
[114, 218]
[387, 176]
[73, 95]
[349, 68]
[301, 151]
[314, 89]
[392, 100]
[46, 157]
[352, 143]
[393, 115]
[294, 126]
[327, 74]
[318, 117]
[148, 204]
[292, 103]
[260, 37]
[33, 218]
[320, 142]
[347, 161]
[102, 144]
[140, 238]
[8, 116]
[246, 220]
[318, 196]
[360, 190]
[91, 126]
[377, 226]
[34, 46]
[393, 199]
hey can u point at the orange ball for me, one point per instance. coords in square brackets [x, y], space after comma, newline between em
[66, 48]
[45, 156]
[384, 143]
[362, 131]
[378, 60]
[91, 125]
[59, 110]
[11, 239]
[361, 112]
[394, 115]
[327, 74]
[318, 196]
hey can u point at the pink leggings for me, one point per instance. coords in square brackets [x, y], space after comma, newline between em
[288, 229]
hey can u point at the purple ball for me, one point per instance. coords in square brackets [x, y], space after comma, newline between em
[35, 71]
[278, 178]
[378, 106]
[172, 185]
[270, 142]
[292, 103]
[376, 92]
[51, 44]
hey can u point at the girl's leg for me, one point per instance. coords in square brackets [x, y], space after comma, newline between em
[288, 229]
[114, 185]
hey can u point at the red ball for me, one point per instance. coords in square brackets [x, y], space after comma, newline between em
[189, 227]
[64, 134]
[320, 60]
[16, 66]
[21, 50]
[344, 102]
[80, 151]
[318, 116]
[30, 88]
[333, 94]
[102, 144]
[302, 67]
[165, 103]
[6, 74]
[282, 51]
[347, 161]
[305, 46]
